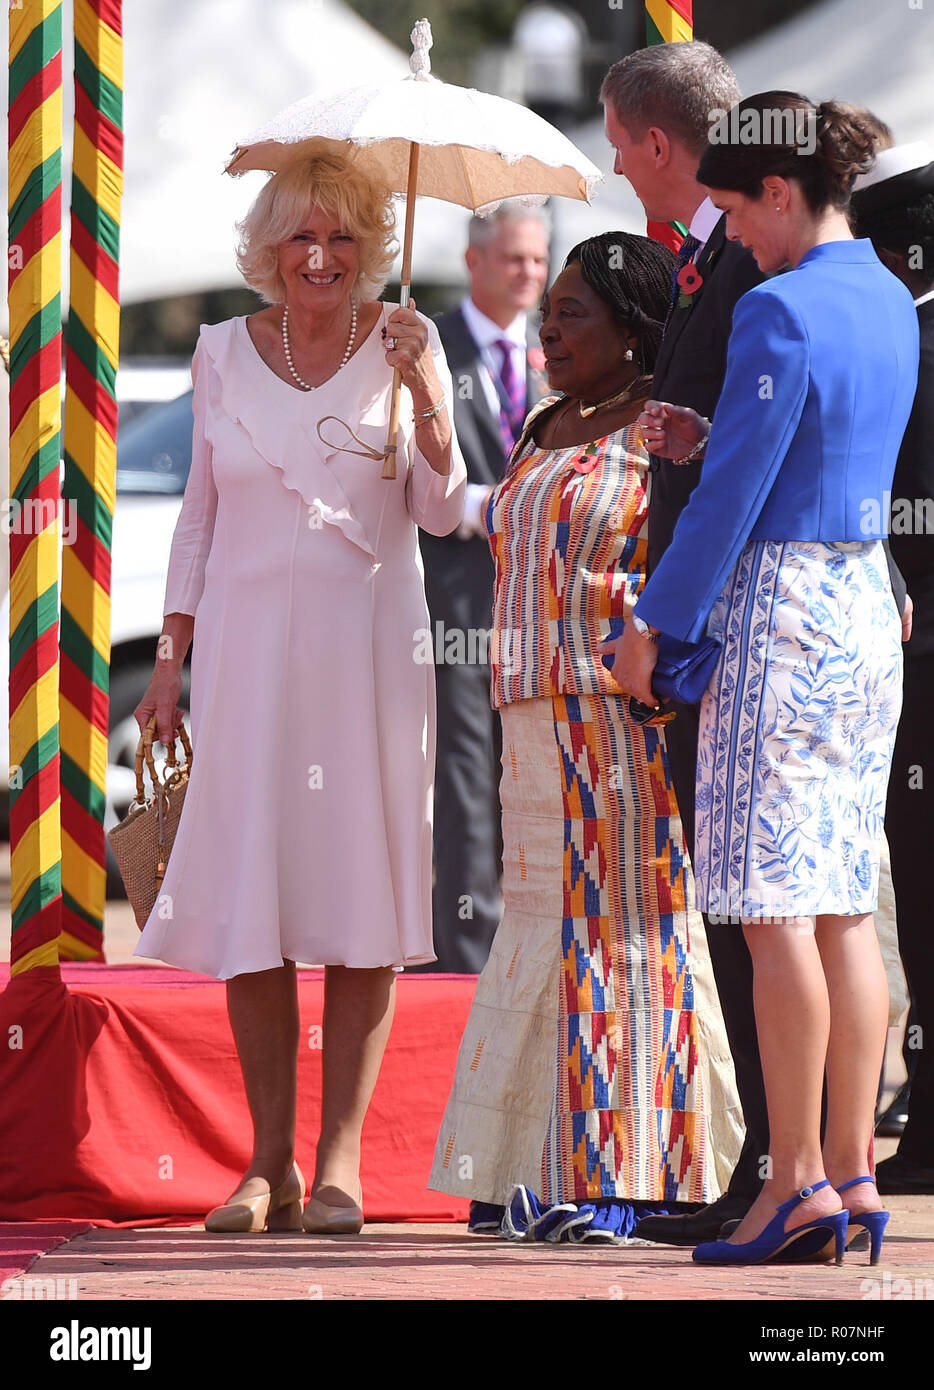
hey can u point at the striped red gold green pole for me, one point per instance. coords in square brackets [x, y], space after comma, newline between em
[92, 339]
[35, 223]
[668, 21]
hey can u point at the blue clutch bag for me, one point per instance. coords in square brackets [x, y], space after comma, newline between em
[683, 670]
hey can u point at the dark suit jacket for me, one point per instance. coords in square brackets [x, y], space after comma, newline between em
[459, 574]
[914, 479]
[691, 366]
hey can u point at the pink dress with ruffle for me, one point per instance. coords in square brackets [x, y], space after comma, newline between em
[306, 830]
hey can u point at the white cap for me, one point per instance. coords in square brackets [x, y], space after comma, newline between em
[900, 159]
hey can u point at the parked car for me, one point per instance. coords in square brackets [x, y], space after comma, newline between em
[153, 461]
[144, 382]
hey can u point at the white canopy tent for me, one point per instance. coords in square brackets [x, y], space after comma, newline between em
[199, 77]
[878, 55]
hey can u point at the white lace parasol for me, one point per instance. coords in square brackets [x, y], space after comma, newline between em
[474, 149]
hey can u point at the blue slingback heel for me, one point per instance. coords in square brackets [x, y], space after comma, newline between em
[874, 1222]
[801, 1242]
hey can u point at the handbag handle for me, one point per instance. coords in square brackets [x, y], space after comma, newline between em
[144, 753]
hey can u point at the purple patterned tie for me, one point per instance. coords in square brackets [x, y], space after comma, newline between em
[511, 417]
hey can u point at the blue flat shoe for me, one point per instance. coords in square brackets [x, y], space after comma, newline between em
[874, 1222]
[805, 1241]
[595, 1220]
[485, 1219]
[526, 1218]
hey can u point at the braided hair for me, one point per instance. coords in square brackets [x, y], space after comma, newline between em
[632, 275]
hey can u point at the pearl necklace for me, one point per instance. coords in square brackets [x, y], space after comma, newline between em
[287, 347]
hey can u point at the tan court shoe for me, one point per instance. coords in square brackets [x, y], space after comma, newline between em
[279, 1210]
[321, 1219]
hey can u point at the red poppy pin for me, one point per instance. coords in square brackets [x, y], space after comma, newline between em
[587, 462]
[689, 282]
[536, 359]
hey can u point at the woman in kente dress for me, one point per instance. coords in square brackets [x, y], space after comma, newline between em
[594, 1062]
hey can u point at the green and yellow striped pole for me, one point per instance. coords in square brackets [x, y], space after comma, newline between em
[35, 222]
[92, 341]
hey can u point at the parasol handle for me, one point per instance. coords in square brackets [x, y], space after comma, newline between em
[405, 292]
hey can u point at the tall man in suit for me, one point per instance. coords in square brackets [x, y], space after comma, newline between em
[495, 360]
[658, 106]
[893, 205]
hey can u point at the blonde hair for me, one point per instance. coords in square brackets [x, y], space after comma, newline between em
[318, 176]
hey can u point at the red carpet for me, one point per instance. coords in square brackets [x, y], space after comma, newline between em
[22, 1242]
[121, 1100]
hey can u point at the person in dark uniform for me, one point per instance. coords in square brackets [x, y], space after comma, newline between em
[496, 362]
[893, 205]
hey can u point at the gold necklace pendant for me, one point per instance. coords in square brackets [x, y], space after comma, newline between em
[620, 398]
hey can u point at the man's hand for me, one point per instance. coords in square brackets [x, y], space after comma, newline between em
[635, 657]
[475, 505]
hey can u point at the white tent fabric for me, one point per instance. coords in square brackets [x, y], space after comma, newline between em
[195, 77]
[878, 55]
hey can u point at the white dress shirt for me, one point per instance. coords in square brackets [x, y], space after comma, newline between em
[486, 334]
[703, 222]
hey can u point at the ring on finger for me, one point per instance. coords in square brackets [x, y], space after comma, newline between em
[391, 344]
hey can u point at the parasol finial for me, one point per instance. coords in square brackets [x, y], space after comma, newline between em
[420, 63]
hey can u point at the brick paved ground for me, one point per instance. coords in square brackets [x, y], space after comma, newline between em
[441, 1262]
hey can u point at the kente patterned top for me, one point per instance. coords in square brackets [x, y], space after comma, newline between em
[568, 531]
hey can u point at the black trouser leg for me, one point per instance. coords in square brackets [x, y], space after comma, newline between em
[909, 821]
[732, 968]
[467, 820]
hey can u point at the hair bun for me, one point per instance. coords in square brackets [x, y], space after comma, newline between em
[846, 140]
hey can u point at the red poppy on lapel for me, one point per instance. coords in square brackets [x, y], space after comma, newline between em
[689, 278]
[536, 359]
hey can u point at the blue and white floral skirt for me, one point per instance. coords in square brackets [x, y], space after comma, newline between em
[797, 729]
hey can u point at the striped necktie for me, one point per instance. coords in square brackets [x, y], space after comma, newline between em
[688, 246]
[512, 398]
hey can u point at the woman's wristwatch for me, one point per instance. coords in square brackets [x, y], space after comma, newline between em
[643, 628]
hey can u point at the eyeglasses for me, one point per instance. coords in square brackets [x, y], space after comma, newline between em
[646, 714]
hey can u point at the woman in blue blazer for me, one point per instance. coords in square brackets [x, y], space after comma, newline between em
[779, 554]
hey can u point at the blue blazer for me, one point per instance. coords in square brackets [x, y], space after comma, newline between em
[821, 372]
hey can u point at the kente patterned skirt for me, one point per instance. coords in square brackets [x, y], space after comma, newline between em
[797, 730]
[594, 1063]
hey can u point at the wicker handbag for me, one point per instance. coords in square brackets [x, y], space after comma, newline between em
[143, 840]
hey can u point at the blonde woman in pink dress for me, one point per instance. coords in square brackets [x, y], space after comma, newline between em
[306, 830]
